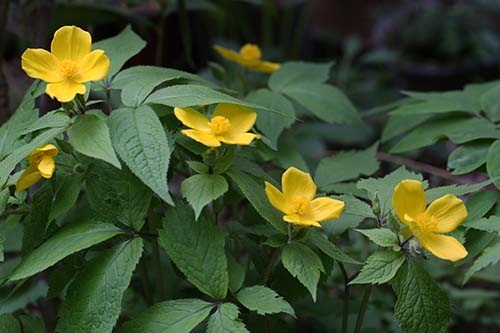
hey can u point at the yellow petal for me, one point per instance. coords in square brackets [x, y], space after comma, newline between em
[296, 183]
[94, 66]
[444, 247]
[41, 64]
[241, 118]
[265, 67]
[49, 150]
[300, 220]
[191, 118]
[241, 139]
[46, 167]
[28, 178]
[324, 209]
[71, 43]
[229, 54]
[449, 212]
[208, 139]
[408, 198]
[277, 199]
[65, 91]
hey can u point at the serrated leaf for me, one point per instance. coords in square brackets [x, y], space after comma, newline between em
[225, 320]
[93, 301]
[304, 264]
[382, 237]
[140, 141]
[178, 316]
[422, 306]
[253, 190]
[264, 301]
[493, 162]
[49, 120]
[292, 72]
[89, 135]
[331, 250]
[479, 204]
[468, 157]
[346, 166]
[380, 268]
[9, 324]
[437, 192]
[37, 222]
[490, 224]
[402, 124]
[197, 249]
[490, 256]
[199, 190]
[67, 191]
[120, 48]
[71, 239]
[490, 103]
[4, 199]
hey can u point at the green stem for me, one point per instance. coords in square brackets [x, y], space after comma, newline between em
[270, 266]
[345, 308]
[157, 259]
[289, 233]
[145, 282]
[362, 309]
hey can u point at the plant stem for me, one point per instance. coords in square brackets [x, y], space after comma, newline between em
[270, 266]
[145, 282]
[289, 233]
[157, 259]
[345, 308]
[362, 309]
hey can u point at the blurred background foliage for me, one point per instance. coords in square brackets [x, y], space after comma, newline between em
[379, 49]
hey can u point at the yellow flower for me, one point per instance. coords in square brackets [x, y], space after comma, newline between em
[230, 124]
[70, 63]
[41, 165]
[297, 200]
[443, 215]
[249, 57]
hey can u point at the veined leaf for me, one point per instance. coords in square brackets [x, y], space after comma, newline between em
[490, 256]
[468, 157]
[225, 320]
[201, 189]
[67, 191]
[49, 120]
[437, 192]
[493, 162]
[263, 300]
[381, 236]
[328, 248]
[380, 268]
[9, 324]
[479, 204]
[490, 224]
[292, 72]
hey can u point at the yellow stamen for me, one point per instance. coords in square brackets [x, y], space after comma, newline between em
[69, 69]
[426, 222]
[251, 52]
[220, 125]
[300, 205]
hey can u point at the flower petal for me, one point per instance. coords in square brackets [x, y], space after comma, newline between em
[300, 220]
[265, 67]
[449, 212]
[49, 150]
[277, 199]
[41, 64]
[28, 178]
[72, 43]
[444, 247]
[241, 118]
[242, 139]
[208, 139]
[191, 118]
[324, 209]
[296, 183]
[408, 198]
[94, 66]
[229, 54]
[65, 91]
[46, 167]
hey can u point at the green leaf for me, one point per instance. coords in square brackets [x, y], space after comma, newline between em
[140, 140]
[493, 162]
[225, 320]
[292, 72]
[197, 249]
[437, 192]
[10, 162]
[304, 264]
[120, 48]
[422, 306]
[490, 224]
[67, 191]
[458, 129]
[397, 125]
[490, 102]
[198, 167]
[264, 301]
[253, 190]
[380, 268]
[355, 206]
[23, 295]
[382, 237]
[490, 256]
[4, 199]
[139, 81]
[32, 324]
[479, 204]
[468, 157]
[178, 316]
[436, 103]
[9, 324]
[325, 101]
[49, 120]
[236, 274]
[199, 190]
[89, 135]
[328, 248]
[71, 239]
[117, 195]
[272, 124]
[94, 298]
[346, 166]
[38, 220]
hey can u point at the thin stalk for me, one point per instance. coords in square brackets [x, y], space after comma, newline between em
[362, 309]
[289, 233]
[345, 308]
[270, 265]
[145, 282]
[157, 260]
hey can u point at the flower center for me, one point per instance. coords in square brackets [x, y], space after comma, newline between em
[220, 125]
[426, 222]
[69, 69]
[300, 205]
[250, 52]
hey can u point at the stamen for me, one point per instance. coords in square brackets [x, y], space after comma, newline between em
[69, 69]
[250, 52]
[220, 125]
[426, 222]
[300, 205]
